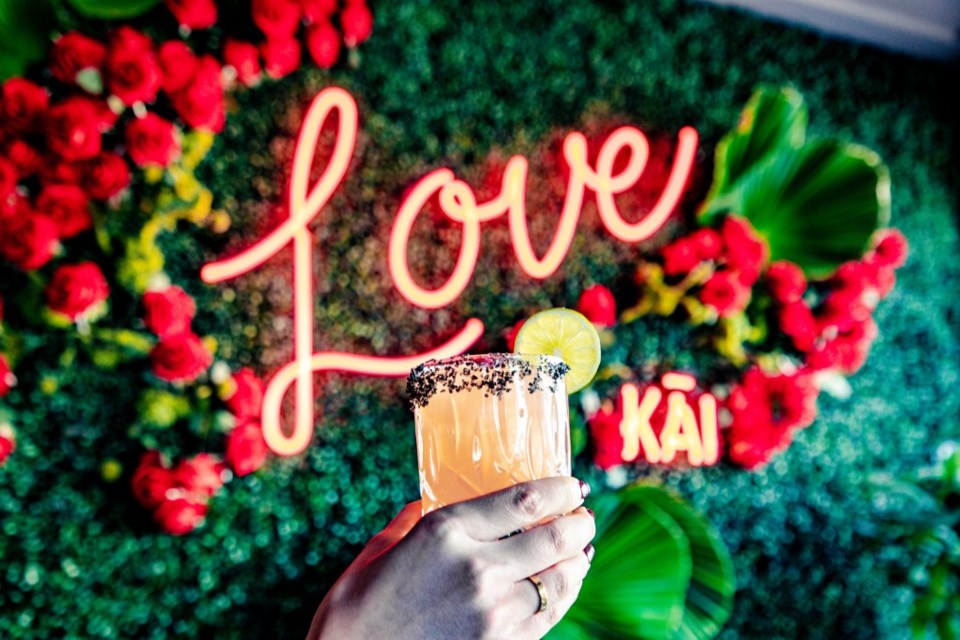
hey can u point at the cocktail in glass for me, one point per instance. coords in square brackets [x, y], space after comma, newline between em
[486, 422]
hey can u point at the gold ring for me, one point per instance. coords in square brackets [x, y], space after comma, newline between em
[541, 591]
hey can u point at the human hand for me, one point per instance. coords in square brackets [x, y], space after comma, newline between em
[454, 574]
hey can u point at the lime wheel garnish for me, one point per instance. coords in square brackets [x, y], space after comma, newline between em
[566, 334]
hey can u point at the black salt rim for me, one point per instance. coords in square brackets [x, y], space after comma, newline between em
[494, 373]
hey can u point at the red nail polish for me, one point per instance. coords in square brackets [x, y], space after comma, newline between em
[589, 551]
[590, 511]
[584, 489]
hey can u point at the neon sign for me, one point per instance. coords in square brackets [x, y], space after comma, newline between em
[458, 203]
[681, 430]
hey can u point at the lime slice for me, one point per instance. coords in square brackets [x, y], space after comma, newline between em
[568, 335]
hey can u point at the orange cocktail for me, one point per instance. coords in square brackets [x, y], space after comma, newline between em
[486, 422]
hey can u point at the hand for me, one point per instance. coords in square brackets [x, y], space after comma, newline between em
[454, 574]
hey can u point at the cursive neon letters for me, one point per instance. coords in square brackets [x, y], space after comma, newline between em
[458, 202]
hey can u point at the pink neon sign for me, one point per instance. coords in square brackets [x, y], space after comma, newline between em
[458, 202]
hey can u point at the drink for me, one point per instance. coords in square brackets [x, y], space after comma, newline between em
[486, 422]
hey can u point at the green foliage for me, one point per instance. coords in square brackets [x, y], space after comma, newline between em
[113, 9]
[441, 83]
[25, 28]
[816, 203]
[923, 510]
[660, 571]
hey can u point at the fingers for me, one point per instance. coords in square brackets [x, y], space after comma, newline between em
[543, 546]
[519, 507]
[561, 585]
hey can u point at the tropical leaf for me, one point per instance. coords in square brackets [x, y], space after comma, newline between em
[816, 203]
[113, 9]
[709, 599]
[25, 28]
[773, 118]
[639, 577]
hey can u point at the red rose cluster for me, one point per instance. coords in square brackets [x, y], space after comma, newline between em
[246, 448]
[180, 355]
[736, 251]
[8, 443]
[829, 326]
[280, 22]
[177, 496]
[51, 167]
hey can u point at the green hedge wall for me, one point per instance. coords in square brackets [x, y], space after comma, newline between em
[444, 83]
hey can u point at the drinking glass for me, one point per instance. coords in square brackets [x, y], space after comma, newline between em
[486, 422]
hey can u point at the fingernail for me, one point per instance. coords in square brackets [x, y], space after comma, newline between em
[590, 511]
[584, 489]
[589, 551]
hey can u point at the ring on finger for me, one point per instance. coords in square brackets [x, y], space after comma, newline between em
[541, 591]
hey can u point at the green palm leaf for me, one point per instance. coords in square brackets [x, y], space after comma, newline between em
[25, 28]
[709, 599]
[639, 577]
[816, 203]
[113, 9]
[773, 118]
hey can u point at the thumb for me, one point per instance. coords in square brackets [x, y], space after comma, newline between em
[398, 528]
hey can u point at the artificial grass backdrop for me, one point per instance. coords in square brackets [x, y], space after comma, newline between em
[442, 84]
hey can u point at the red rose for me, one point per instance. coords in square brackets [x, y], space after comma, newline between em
[880, 278]
[8, 443]
[24, 157]
[357, 23]
[318, 10]
[22, 106]
[323, 43]
[180, 358]
[680, 257]
[797, 321]
[133, 73]
[244, 59]
[598, 305]
[73, 129]
[606, 437]
[707, 244]
[744, 251]
[178, 64]
[61, 172]
[8, 178]
[246, 448]
[766, 410]
[726, 293]
[168, 313]
[152, 141]
[845, 351]
[280, 57]
[201, 105]
[105, 176]
[194, 14]
[28, 241]
[151, 480]
[72, 53]
[180, 515]
[67, 205]
[247, 397]
[201, 475]
[511, 334]
[278, 19]
[890, 248]
[7, 379]
[76, 290]
[842, 309]
[786, 281]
